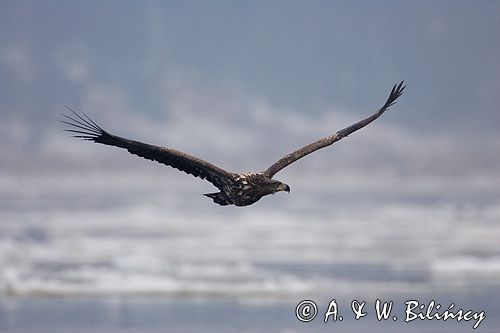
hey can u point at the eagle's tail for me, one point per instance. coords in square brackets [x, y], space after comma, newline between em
[219, 198]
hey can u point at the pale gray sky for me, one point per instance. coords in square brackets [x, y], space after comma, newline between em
[223, 79]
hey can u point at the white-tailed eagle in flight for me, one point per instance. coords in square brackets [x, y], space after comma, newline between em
[235, 189]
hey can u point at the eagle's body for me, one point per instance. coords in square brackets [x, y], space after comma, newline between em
[247, 188]
[235, 189]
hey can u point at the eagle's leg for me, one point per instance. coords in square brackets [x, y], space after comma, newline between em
[219, 198]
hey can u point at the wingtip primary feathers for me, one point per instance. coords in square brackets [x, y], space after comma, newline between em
[82, 126]
[396, 92]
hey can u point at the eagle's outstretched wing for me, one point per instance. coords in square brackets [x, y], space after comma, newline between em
[397, 91]
[83, 127]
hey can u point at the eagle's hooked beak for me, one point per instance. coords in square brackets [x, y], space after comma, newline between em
[285, 187]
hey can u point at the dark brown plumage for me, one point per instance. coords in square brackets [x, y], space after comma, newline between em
[235, 189]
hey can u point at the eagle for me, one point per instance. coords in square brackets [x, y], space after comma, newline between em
[239, 189]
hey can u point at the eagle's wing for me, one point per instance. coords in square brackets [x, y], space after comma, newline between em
[83, 127]
[397, 91]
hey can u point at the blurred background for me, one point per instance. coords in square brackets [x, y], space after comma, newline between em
[93, 239]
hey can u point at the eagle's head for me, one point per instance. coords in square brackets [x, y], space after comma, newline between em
[277, 186]
[253, 186]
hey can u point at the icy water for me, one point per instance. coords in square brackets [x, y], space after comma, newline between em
[122, 258]
[218, 315]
